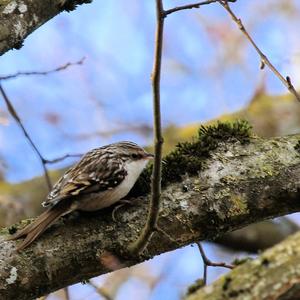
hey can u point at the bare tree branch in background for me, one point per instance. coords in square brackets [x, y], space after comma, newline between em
[59, 159]
[264, 59]
[42, 159]
[16, 117]
[190, 6]
[58, 69]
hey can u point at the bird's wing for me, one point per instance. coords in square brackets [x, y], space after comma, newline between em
[97, 171]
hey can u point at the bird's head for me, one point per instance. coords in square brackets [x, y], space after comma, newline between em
[131, 151]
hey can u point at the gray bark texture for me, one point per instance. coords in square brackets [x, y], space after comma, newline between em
[239, 183]
[274, 275]
[19, 18]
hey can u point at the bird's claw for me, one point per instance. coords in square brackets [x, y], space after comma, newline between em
[116, 208]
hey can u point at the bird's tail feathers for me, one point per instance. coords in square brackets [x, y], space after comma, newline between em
[41, 223]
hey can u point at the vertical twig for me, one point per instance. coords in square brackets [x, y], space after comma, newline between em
[67, 294]
[152, 217]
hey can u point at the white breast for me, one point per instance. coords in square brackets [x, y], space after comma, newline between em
[134, 170]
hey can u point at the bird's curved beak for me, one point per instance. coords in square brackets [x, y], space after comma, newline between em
[149, 155]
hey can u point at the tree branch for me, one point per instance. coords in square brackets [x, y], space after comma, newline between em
[191, 6]
[273, 275]
[20, 18]
[42, 73]
[240, 184]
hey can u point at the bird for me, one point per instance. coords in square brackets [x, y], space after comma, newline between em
[102, 177]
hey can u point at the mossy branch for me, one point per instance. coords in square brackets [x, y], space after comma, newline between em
[239, 180]
[275, 274]
[190, 157]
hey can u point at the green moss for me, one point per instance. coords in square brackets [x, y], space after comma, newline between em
[227, 280]
[15, 227]
[198, 284]
[3, 230]
[262, 171]
[189, 157]
[239, 205]
[18, 45]
[240, 261]
[12, 229]
[265, 262]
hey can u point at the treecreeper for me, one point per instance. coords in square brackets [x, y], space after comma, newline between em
[102, 177]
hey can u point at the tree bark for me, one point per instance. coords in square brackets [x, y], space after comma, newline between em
[240, 184]
[275, 275]
[19, 18]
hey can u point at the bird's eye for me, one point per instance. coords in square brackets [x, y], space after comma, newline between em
[134, 156]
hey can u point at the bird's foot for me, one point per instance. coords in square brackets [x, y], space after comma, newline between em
[121, 203]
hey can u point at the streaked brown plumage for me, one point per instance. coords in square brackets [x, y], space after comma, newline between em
[102, 177]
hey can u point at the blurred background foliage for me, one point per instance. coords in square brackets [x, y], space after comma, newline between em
[210, 72]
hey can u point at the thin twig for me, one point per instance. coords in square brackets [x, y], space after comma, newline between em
[14, 114]
[208, 263]
[58, 69]
[190, 6]
[163, 232]
[66, 292]
[264, 59]
[100, 290]
[143, 129]
[58, 159]
[153, 212]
